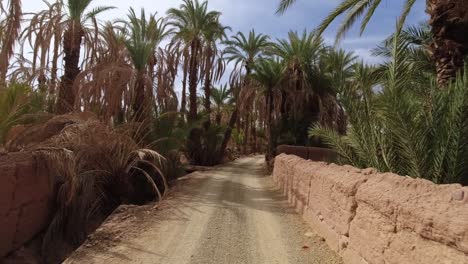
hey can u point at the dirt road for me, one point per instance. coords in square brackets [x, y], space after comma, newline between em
[232, 214]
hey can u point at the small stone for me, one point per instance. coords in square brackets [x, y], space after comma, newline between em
[320, 217]
[309, 234]
[458, 195]
[343, 242]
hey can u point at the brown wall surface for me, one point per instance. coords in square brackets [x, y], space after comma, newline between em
[308, 153]
[371, 217]
[25, 199]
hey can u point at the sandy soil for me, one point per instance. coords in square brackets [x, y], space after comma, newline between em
[232, 214]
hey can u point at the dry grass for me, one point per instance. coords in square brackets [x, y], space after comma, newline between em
[95, 169]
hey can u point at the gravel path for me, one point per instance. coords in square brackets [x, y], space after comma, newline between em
[232, 214]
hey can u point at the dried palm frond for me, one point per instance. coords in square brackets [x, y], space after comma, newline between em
[104, 87]
[10, 33]
[95, 169]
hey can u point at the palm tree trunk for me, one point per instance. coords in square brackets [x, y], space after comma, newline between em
[183, 107]
[228, 133]
[71, 48]
[54, 69]
[208, 80]
[254, 136]
[270, 147]
[247, 134]
[218, 118]
[139, 103]
[193, 80]
[449, 23]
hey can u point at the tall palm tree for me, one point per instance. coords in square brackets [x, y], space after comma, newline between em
[338, 67]
[105, 86]
[244, 51]
[44, 32]
[10, 31]
[301, 53]
[269, 73]
[448, 21]
[220, 98]
[143, 37]
[193, 21]
[77, 16]
[214, 64]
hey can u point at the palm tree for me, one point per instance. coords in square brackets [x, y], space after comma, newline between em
[397, 129]
[105, 85]
[72, 40]
[220, 98]
[213, 67]
[143, 37]
[10, 31]
[269, 73]
[244, 51]
[416, 40]
[193, 21]
[44, 33]
[338, 67]
[448, 21]
[301, 54]
[309, 94]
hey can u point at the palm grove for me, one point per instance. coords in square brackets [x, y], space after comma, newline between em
[155, 84]
[164, 73]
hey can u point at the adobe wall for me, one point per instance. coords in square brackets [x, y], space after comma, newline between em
[25, 199]
[310, 153]
[375, 218]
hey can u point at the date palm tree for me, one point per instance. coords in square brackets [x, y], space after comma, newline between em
[244, 51]
[448, 21]
[75, 19]
[220, 97]
[143, 38]
[398, 130]
[193, 21]
[269, 74]
[301, 53]
[9, 33]
[213, 66]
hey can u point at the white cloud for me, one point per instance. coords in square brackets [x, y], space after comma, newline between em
[366, 56]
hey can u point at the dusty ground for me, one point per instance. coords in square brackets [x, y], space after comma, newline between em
[232, 214]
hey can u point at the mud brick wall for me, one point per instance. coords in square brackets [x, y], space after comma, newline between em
[310, 153]
[376, 218]
[25, 199]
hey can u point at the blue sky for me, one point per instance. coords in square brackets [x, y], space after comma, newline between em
[242, 15]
